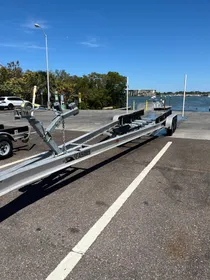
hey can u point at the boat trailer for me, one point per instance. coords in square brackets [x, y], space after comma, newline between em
[123, 129]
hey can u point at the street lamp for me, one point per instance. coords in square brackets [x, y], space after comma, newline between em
[48, 79]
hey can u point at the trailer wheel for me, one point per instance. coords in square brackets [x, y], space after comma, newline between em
[171, 130]
[6, 147]
[175, 123]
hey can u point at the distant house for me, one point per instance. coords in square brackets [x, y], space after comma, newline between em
[141, 92]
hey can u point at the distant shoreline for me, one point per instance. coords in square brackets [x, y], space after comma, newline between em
[171, 95]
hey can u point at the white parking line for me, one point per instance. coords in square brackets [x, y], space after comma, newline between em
[18, 161]
[70, 261]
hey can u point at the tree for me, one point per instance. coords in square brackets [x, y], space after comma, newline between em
[98, 90]
[15, 71]
[116, 86]
[4, 75]
[12, 86]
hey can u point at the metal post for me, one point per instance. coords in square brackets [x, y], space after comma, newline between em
[127, 97]
[48, 78]
[184, 96]
[34, 96]
[146, 106]
[134, 105]
[41, 97]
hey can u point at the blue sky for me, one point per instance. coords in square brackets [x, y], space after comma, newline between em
[153, 42]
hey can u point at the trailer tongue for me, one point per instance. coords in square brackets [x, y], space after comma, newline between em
[124, 128]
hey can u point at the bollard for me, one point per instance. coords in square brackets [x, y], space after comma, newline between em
[146, 106]
[134, 105]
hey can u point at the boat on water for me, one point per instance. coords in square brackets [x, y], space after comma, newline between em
[153, 98]
[157, 102]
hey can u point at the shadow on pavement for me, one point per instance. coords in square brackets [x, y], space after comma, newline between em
[54, 182]
[24, 148]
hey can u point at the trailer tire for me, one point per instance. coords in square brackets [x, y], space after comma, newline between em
[6, 147]
[175, 123]
[171, 130]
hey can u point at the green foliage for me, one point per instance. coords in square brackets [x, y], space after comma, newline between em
[97, 90]
[116, 86]
[14, 86]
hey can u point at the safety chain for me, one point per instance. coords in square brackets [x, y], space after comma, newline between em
[64, 135]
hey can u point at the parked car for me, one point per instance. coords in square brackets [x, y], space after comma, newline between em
[10, 102]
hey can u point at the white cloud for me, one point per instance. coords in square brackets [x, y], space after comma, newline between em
[92, 43]
[22, 46]
[89, 44]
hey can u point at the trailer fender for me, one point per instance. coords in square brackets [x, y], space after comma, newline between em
[171, 124]
[5, 134]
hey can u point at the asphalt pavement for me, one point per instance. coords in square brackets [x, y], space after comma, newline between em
[86, 120]
[194, 125]
[161, 232]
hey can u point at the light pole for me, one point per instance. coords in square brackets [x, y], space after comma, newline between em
[48, 78]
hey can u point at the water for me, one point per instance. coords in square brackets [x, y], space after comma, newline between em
[192, 103]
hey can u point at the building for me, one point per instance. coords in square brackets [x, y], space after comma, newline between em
[141, 92]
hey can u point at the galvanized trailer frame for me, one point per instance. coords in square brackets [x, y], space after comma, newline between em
[121, 130]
